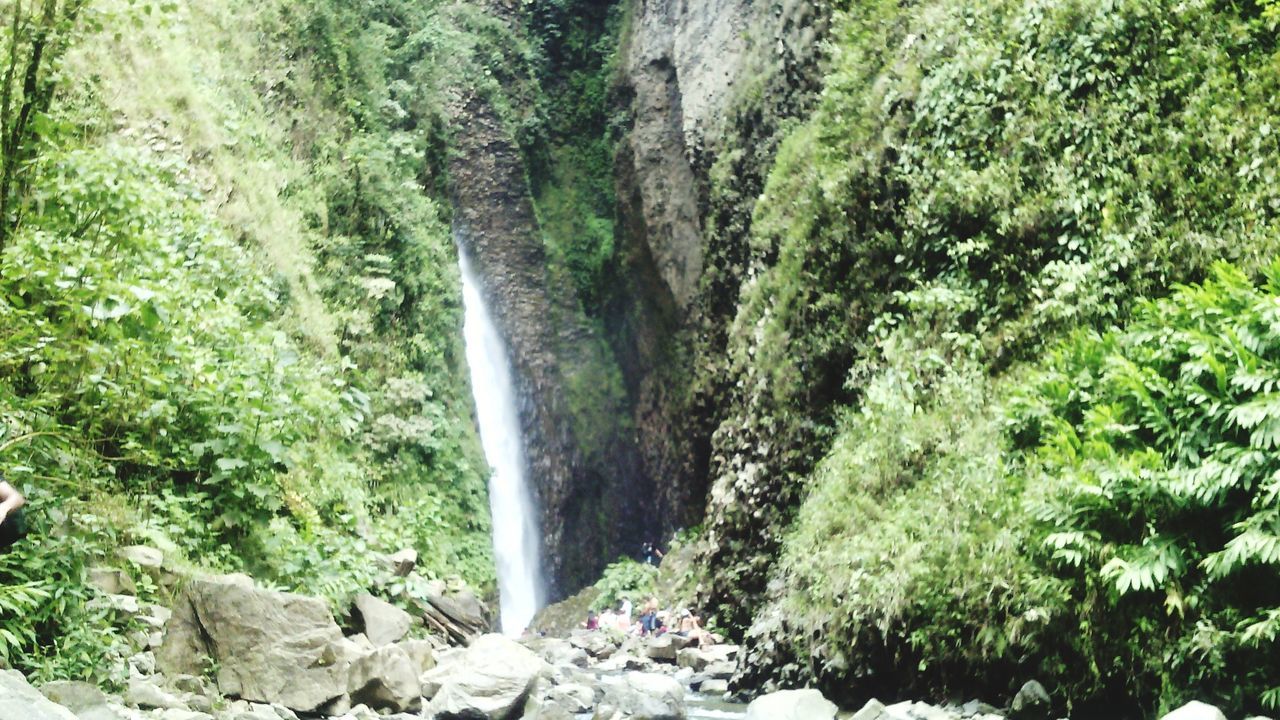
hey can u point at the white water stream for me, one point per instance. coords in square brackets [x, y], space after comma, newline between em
[515, 533]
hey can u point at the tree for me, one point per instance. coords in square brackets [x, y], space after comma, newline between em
[37, 36]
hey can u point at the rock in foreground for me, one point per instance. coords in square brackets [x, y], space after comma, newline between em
[1195, 710]
[487, 680]
[20, 701]
[268, 645]
[643, 696]
[792, 705]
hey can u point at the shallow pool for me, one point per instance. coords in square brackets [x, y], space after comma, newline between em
[705, 707]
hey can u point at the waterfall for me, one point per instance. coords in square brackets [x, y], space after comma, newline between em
[515, 526]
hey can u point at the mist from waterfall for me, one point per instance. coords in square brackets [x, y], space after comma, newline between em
[515, 526]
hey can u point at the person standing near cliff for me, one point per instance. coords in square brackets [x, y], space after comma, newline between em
[12, 525]
[652, 555]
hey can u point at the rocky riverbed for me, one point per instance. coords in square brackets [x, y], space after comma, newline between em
[228, 649]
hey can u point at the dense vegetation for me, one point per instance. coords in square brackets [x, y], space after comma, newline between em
[229, 313]
[984, 358]
[958, 504]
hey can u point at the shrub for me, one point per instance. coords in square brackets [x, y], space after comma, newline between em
[1166, 435]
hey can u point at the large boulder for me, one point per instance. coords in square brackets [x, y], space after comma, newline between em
[382, 622]
[74, 695]
[421, 652]
[403, 562]
[146, 693]
[692, 658]
[536, 709]
[557, 651]
[1032, 702]
[666, 647]
[20, 701]
[596, 644]
[268, 646]
[1195, 710]
[489, 679]
[643, 696]
[573, 697]
[112, 581]
[792, 705]
[385, 679]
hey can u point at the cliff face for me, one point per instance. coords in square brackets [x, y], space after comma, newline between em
[708, 86]
[552, 348]
[705, 89]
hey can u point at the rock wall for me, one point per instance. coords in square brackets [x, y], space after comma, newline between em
[701, 83]
[707, 86]
[592, 507]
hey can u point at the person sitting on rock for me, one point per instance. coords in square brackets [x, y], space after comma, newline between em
[649, 617]
[624, 613]
[593, 621]
[691, 627]
[13, 526]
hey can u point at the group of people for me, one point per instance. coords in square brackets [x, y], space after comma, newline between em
[652, 621]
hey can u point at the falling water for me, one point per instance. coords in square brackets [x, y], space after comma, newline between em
[515, 535]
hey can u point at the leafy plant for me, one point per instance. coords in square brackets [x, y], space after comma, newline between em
[625, 579]
[1165, 435]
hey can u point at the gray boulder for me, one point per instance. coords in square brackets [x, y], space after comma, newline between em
[142, 556]
[20, 701]
[74, 696]
[145, 693]
[558, 652]
[692, 658]
[112, 581]
[81, 698]
[665, 648]
[714, 687]
[1031, 703]
[595, 643]
[536, 709]
[489, 679]
[382, 622]
[268, 646]
[1195, 710]
[403, 562]
[421, 652]
[643, 696]
[873, 710]
[573, 697]
[792, 705]
[385, 680]
[719, 670]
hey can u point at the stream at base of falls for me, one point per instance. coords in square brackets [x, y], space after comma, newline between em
[705, 707]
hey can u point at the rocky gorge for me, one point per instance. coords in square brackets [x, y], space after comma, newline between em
[929, 347]
[231, 650]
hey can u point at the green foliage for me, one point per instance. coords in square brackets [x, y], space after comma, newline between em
[998, 175]
[904, 569]
[571, 172]
[1164, 435]
[33, 41]
[229, 321]
[625, 579]
[52, 623]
